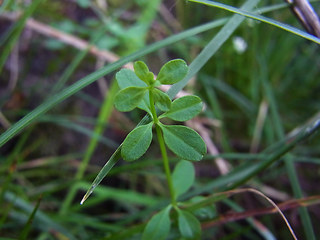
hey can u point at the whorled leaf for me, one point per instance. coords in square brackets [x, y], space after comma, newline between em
[137, 142]
[173, 71]
[162, 100]
[189, 225]
[184, 142]
[184, 108]
[142, 71]
[129, 98]
[183, 177]
[159, 225]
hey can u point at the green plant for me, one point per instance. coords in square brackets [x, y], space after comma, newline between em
[139, 90]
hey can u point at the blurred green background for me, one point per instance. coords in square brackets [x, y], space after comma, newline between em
[261, 86]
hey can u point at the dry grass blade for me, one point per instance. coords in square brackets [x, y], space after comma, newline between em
[233, 217]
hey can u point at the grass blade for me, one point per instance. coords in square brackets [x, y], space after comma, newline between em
[26, 229]
[103, 172]
[260, 18]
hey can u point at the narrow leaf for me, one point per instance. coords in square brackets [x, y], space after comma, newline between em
[173, 71]
[26, 229]
[189, 225]
[183, 177]
[129, 98]
[184, 108]
[158, 227]
[137, 142]
[162, 100]
[184, 142]
[103, 172]
[142, 71]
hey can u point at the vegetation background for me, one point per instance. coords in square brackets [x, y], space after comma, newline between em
[260, 88]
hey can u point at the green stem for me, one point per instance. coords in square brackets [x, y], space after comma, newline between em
[162, 149]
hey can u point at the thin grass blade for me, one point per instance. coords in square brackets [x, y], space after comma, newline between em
[260, 18]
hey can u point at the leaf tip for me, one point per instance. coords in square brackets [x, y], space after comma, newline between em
[84, 199]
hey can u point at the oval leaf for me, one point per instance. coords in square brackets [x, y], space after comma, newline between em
[127, 78]
[189, 225]
[129, 98]
[162, 100]
[173, 71]
[184, 108]
[137, 142]
[183, 177]
[158, 227]
[142, 71]
[184, 142]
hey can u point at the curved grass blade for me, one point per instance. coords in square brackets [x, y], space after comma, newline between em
[260, 18]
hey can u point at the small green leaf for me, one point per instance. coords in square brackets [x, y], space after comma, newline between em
[184, 108]
[158, 227]
[129, 98]
[137, 142]
[184, 142]
[162, 100]
[173, 71]
[142, 71]
[183, 177]
[127, 78]
[189, 225]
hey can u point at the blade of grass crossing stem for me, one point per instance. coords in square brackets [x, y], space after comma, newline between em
[103, 118]
[82, 83]
[19, 25]
[210, 49]
[289, 163]
[260, 18]
[26, 229]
